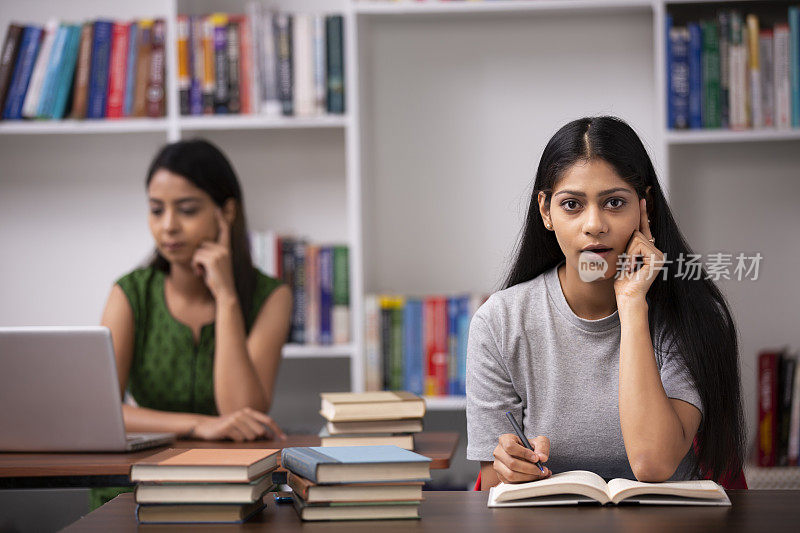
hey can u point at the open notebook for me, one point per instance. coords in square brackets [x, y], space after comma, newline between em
[578, 486]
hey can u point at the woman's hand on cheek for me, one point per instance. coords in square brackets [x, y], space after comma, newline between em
[212, 260]
[642, 261]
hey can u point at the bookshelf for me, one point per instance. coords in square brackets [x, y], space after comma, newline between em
[409, 138]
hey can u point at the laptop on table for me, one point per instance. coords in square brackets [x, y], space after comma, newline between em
[59, 392]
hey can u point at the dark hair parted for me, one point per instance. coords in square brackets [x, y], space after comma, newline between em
[207, 168]
[689, 317]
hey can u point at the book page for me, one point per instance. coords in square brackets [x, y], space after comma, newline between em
[580, 482]
[620, 489]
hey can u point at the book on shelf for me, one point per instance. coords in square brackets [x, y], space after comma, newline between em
[778, 383]
[262, 61]
[205, 465]
[733, 70]
[97, 69]
[197, 514]
[418, 343]
[318, 276]
[174, 493]
[356, 464]
[580, 486]
[357, 492]
[369, 406]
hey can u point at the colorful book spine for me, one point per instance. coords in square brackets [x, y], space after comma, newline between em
[712, 117]
[452, 346]
[766, 58]
[785, 386]
[53, 74]
[695, 76]
[754, 72]
[143, 68]
[67, 74]
[325, 295]
[386, 341]
[303, 64]
[30, 105]
[724, 26]
[8, 58]
[312, 294]
[794, 62]
[234, 64]
[246, 65]
[767, 407]
[340, 320]
[268, 74]
[155, 81]
[414, 375]
[436, 345]
[335, 63]
[82, 69]
[781, 77]
[320, 63]
[118, 68]
[98, 75]
[679, 78]
[130, 69]
[284, 49]
[373, 371]
[184, 75]
[29, 48]
[197, 65]
[297, 249]
[397, 347]
[463, 319]
[221, 70]
[738, 74]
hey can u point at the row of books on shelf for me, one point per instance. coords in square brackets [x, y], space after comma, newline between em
[98, 69]
[262, 62]
[778, 408]
[418, 344]
[318, 276]
[734, 72]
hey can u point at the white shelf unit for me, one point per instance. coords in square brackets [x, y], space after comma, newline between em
[361, 142]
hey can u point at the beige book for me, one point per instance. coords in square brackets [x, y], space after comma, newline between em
[204, 492]
[402, 441]
[178, 514]
[569, 488]
[347, 511]
[362, 406]
[206, 464]
[411, 425]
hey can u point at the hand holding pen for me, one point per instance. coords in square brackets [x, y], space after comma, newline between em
[517, 459]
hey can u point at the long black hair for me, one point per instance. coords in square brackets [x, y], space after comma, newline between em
[207, 168]
[687, 316]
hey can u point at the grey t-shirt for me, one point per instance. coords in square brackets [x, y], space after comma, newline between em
[530, 354]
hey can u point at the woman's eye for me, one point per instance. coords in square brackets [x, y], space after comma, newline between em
[189, 211]
[616, 203]
[569, 205]
[155, 212]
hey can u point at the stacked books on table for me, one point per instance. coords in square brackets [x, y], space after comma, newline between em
[355, 482]
[371, 418]
[202, 485]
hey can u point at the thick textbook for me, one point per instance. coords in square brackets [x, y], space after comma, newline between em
[205, 464]
[204, 492]
[356, 492]
[354, 464]
[197, 514]
[355, 511]
[578, 486]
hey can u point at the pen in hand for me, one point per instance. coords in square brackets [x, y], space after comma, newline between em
[518, 431]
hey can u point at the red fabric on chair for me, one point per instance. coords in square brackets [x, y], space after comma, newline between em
[478, 482]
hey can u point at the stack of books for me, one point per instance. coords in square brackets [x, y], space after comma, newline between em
[371, 418]
[202, 485]
[355, 482]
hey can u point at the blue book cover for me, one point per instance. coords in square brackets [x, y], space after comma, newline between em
[695, 76]
[452, 343]
[794, 62]
[98, 72]
[412, 342]
[52, 73]
[305, 461]
[462, 335]
[130, 75]
[28, 49]
[679, 78]
[67, 72]
[325, 272]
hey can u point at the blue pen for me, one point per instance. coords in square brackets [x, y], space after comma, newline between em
[518, 431]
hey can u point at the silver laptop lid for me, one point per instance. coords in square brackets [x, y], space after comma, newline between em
[59, 390]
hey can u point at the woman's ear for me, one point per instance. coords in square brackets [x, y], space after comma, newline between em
[229, 211]
[649, 198]
[544, 209]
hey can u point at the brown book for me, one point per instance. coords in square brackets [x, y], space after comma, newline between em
[206, 465]
[368, 511]
[196, 514]
[155, 79]
[80, 91]
[383, 405]
[8, 59]
[356, 492]
[142, 69]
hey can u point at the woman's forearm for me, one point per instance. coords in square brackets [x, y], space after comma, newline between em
[651, 429]
[236, 383]
[143, 419]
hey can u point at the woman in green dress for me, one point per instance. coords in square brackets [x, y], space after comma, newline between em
[198, 332]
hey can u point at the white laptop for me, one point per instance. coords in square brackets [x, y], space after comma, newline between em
[59, 393]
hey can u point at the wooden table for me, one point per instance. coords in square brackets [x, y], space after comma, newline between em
[773, 511]
[36, 470]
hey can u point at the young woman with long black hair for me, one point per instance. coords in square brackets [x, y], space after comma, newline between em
[626, 372]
